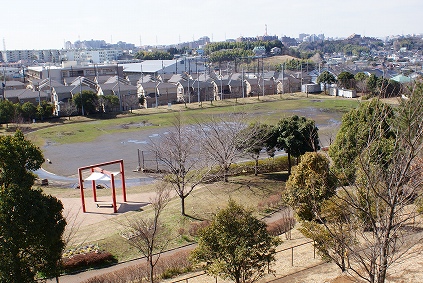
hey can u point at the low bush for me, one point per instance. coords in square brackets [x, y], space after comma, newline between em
[87, 260]
[284, 224]
[167, 267]
[270, 203]
[196, 226]
[275, 164]
[281, 226]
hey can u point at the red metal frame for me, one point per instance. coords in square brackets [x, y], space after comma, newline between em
[96, 167]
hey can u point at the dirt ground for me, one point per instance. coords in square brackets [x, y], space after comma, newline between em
[67, 158]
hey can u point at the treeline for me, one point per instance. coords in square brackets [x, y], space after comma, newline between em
[230, 54]
[154, 55]
[411, 43]
[10, 112]
[349, 47]
[298, 64]
[246, 45]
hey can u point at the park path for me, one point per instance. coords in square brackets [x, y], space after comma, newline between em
[82, 276]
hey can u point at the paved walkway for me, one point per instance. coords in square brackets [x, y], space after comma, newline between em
[79, 277]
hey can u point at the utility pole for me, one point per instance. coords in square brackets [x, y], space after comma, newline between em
[262, 71]
[189, 92]
[155, 94]
[198, 89]
[120, 97]
[82, 99]
[242, 83]
[3, 84]
[221, 85]
[283, 78]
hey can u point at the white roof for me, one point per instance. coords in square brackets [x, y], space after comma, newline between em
[97, 176]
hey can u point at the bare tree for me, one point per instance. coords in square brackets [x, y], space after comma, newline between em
[131, 102]
[68, 108]
[361, 86]
[147, 234]
[220, 139]
[185, 165]
[258, 135]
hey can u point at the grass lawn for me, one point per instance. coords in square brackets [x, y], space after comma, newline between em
[268, 109]
[202, 204]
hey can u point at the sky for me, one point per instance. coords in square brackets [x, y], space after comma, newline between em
[47, 24]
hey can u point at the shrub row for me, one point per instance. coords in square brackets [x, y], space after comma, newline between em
[284, 224]
[270, 203]
[87, 260]
[167, 267]
[275, 164]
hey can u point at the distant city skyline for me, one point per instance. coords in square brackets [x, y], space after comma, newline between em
[45, 24]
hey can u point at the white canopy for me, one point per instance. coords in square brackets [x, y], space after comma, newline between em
[97, 176]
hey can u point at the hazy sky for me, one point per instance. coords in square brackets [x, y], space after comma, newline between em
[44, 24]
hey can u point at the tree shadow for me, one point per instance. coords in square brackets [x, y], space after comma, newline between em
[277, 176]
[193, 217]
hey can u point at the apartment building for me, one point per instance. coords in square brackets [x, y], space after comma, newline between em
[29, 56]
[91, 56]
[70, 70]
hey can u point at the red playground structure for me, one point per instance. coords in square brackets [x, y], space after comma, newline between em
[98, 174]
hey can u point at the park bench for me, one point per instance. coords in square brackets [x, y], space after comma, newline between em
[104, 204]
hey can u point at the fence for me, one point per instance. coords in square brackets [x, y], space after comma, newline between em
[187, 279]
[292, 250]
[148, 161]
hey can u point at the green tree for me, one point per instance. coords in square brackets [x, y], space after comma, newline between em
[18, 158]
[29, 110]
[87, 101]
[360, 76]
[296, 136]
[370, 120]
[236, 245]
[153, 55]
[110, 102]
[361, 82]
[7, 112]
[31, 223]
[48, 109]
[346, 80]
[40, 112]
[309, 184]
[372, 83]
[326, 78]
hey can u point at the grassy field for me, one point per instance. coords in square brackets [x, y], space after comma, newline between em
[200, 205]
[267, 109]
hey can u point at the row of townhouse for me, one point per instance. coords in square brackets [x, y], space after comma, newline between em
[186, 88]
[157, 89]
